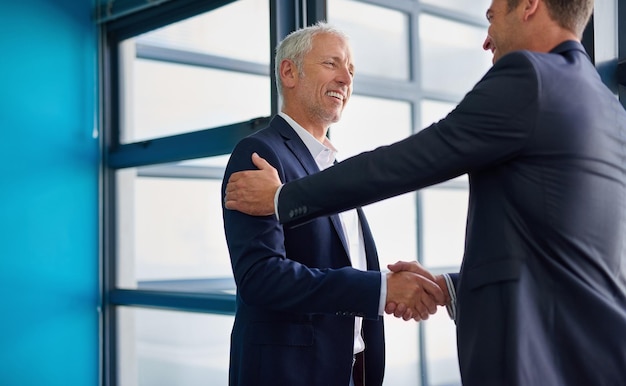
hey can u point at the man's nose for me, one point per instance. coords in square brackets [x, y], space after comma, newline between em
[488, 44]
[345, 77]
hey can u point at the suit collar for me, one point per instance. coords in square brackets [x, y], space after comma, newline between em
[322, 152]
[569, 45]
[295, 144]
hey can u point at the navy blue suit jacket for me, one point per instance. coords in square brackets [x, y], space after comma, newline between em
[297, 294]
[542, 287]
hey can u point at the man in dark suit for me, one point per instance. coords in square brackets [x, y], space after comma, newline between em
[310, 298]
[542, 287]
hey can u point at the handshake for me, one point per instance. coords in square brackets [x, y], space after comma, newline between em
[413, 292]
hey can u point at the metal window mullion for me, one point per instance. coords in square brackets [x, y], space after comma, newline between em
[621, 43]
[197, 144]
[150, 18]
[177, 56]
[212, 303]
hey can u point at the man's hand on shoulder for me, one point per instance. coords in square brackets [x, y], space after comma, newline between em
[252, 191]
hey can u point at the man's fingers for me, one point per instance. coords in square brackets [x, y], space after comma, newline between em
[400, 310]
[427, 305]
[232, 194]
[400, 266]
[252, 191]
[434, 291]
[411, 266]
[260, 162]
[431, 306]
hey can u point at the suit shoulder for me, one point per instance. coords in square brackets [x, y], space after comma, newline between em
[520, 60]
[264, 134]
[514, 73]
[266, 142]
[267, 136]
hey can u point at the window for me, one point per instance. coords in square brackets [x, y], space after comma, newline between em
[176, 99]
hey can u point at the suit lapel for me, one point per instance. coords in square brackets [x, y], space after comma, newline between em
[337, 224]
[370, 247]
[296, 146]
[302, 153]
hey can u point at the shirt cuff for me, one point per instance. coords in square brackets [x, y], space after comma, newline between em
[451, 308]
[383, 293]
[276, 201]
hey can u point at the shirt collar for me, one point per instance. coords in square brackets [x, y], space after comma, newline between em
[323, 152]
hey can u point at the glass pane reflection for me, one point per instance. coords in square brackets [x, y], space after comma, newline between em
[402, 354]
[379, 37]
[167, 99]
[368, 123]
[205, 33]
[444, 213]
[452, 58]
[169, 228]
[476, 8]
[440, 349]
[165, 348]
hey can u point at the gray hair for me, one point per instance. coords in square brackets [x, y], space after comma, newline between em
[297, 44]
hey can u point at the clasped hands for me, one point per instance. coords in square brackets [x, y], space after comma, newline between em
[413, 292]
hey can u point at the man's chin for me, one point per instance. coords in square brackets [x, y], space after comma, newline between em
[495, 57]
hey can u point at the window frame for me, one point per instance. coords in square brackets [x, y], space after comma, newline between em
[284, 18]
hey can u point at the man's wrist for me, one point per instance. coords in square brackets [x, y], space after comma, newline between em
[443, 284]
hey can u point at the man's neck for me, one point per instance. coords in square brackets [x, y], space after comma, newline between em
[317, 130]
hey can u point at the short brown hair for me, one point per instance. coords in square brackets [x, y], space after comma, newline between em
[572, 15]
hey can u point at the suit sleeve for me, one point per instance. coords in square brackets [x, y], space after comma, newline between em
[489, 126]
[267, 278]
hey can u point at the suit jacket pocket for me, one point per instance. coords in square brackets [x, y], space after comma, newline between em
[494, 272]
[282, 334]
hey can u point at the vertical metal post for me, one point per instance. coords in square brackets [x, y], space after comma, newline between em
[285, 17]
[621, 50]
[605, 26]
[315, 11]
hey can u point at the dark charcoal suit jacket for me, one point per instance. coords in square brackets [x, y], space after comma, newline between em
[542, 287]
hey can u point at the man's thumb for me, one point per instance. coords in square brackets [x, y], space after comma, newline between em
[260, 162]
[396, 267]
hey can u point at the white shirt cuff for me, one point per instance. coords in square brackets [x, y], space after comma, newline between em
[383, 293]
[276, 202]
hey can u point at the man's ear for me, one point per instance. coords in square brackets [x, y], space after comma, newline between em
[288, 73]
[530, 8]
